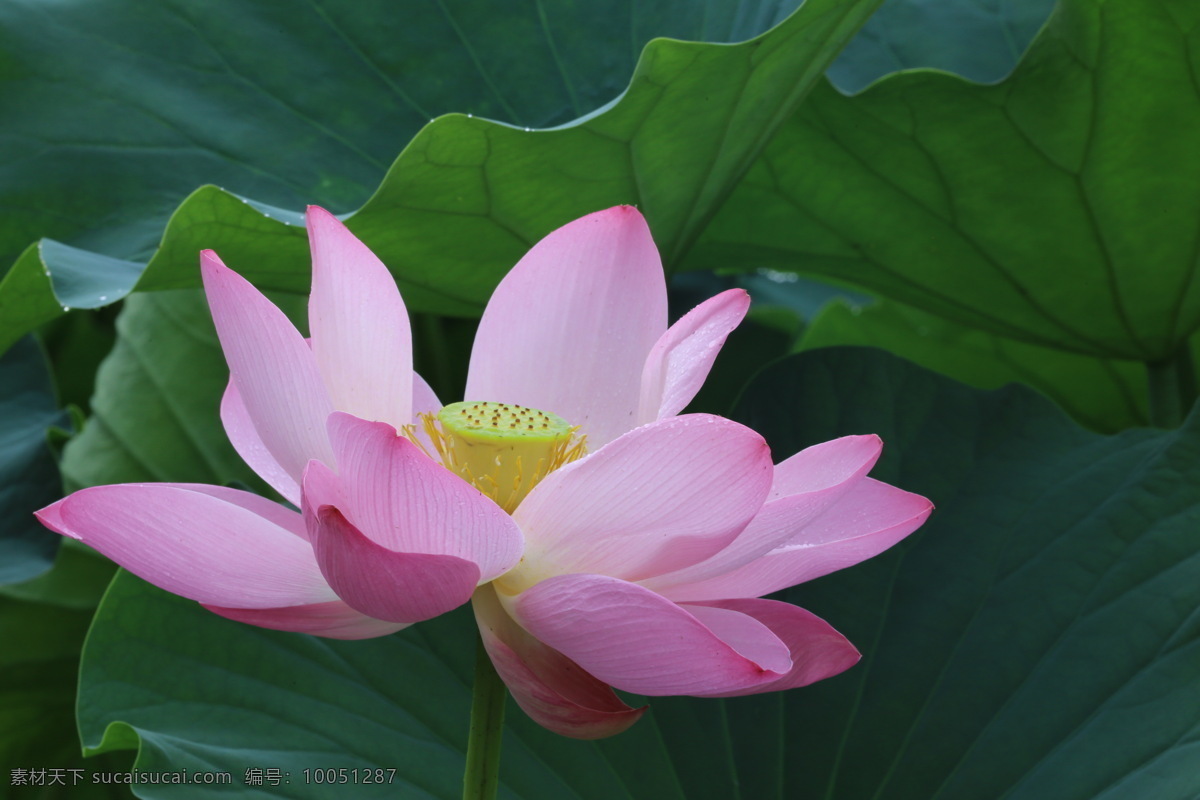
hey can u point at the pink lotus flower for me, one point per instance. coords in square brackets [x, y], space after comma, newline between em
[637, 565]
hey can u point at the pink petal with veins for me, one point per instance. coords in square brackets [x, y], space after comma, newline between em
[205, 543]
[569, 328]
[659, 498]
[869, 519]
[360, 333]
[819, 476]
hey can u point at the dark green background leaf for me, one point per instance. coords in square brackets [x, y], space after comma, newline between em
[1037, 638]
[77, 581]
[978, 39]
[1104, 395]
[48, 617]
[29, 476]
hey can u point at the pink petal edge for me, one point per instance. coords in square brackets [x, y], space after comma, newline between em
[332, 620]
[661, 497]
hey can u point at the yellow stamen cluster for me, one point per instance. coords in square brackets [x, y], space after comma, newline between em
[502, 449]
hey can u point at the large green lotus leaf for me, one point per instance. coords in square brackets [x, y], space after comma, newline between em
[29, 476]
[977, 39]
[1037, 639]
[1058, 207]
[468, 196]
[1102, 394]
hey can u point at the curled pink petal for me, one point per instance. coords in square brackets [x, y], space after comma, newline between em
[631, 638]
[205, 543]
[381, 583]
[360, 332]
[548, 686]
[272, 366]
[569, 328]
[817, 650]
[869, 519]
[249, 445]
[406, 503]
[659, 498]
[681, 359]
[333, 620]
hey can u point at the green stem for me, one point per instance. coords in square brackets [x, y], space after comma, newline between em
[1172, 389]
[482, 776]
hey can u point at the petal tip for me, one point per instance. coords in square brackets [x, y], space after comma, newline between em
[211, 263]
[51, 517]
[318, 215]
[618, 216]
[737, 297]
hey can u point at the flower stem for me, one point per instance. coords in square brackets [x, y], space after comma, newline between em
[482, 776]
[1172, 386]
